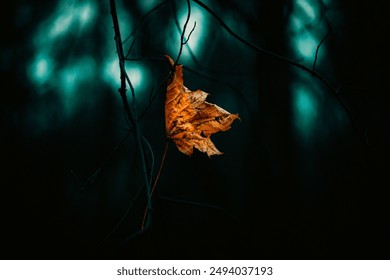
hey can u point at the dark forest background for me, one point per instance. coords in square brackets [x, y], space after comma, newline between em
[300, 177]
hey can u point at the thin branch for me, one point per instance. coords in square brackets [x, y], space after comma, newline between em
[152, 158]
[160, 58]
[288, 61]
[189, 35]
[261, 50]
[319, 45]
[182, 43]
[143, 18]
[127, 119]
[156, 180]
[233, 88]
[154, 96]
[91, 179]
[130, 49]
[122, 219]
[122, 90]
[126, 213]
[174, 12]
[184, 202]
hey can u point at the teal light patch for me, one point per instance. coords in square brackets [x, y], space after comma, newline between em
[135, 71]
[41, 69]
[61, 25]
[111, 72]
[69, 79]
[308, 8]
[126, 25]
[303, 39]
[72, 77]
[147, 5]
[197, 41]
[305, 110]
[198, 33]
[135, 74]
[305, 45]
[296, 23]
[86, 13]
[78, 71]
[70, 16]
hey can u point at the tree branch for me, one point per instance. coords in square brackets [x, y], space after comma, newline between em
[182, 42]
[189, 35]
[143, 18]
[319, 45]
[332, 89]
[130, 114]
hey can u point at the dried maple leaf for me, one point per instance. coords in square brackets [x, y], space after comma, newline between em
[190, 119]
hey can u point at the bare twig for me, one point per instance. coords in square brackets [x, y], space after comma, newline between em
[143, 18]
[187, 203]
[318, 47]
[152, 158]
[131, 114]
[122, 219]
[91, 179]
[153, 96]
[131, 48]
[182, 42]
[261, 50]
[189, 35]
[156, 180]
[174, 11]
[332, 89]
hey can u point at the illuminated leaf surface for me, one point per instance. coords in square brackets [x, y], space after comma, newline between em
[190, 120]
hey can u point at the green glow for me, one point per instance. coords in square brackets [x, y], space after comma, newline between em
[111, 72]
[41, 69]
[296, 23]
[136, 73]
[197, 34]
[126, 24]
[303, 40]
[72, 77]
[77, 72]
[147, 5]
[305, 110]
[305, 45]
[67, 16]
[61, 25]
[307, 8]
[86, 13]
[70, 15]
[69, 79]
[198, 37]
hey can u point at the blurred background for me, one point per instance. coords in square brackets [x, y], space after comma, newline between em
[301, 177]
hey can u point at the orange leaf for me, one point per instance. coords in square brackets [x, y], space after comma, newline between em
[190, 119]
